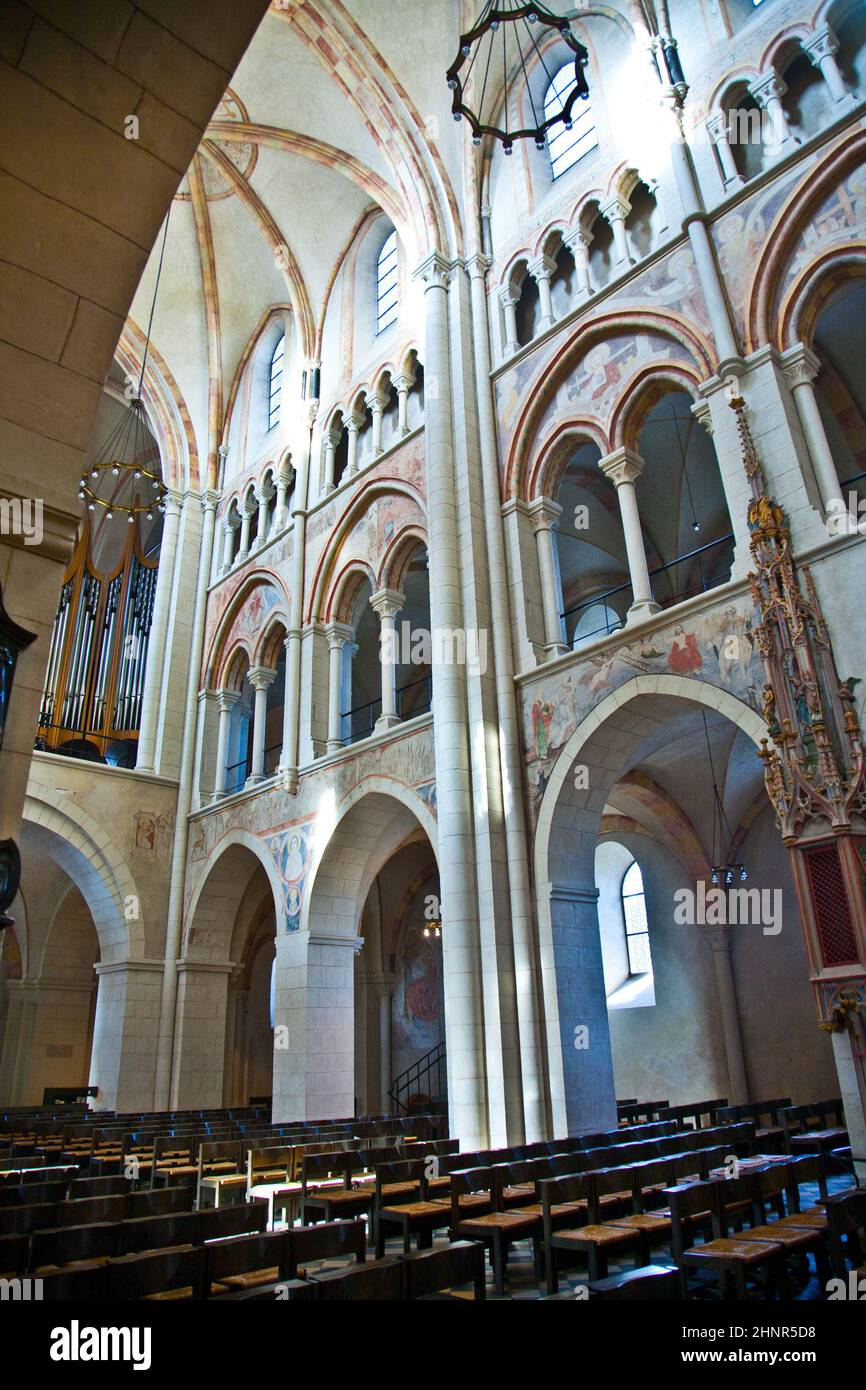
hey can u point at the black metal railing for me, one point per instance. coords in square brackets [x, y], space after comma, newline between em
[709, 576]
[411, 700]
[427, 1077]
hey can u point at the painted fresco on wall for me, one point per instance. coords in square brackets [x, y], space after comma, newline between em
[292, 855]
[718, 648]
[370, 536]
[418, 1001]
[151, 835]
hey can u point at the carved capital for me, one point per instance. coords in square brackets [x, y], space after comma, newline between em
[387, 602]
[801, 366]
[435, 272]
[623, 466]
[822, 44]
[544, 514]
[261, 677]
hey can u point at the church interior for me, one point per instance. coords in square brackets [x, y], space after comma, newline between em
[432, 780]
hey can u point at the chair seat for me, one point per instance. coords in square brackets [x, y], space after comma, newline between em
[514, 1222]
[596, 1235]
[249, 1280]
[729, 1249]
[789, 1236]
[645, 1221]
[169, 1294]
[814, 1220]
[517, 1195]
[417, 1211]
[560, 1209]
[400, 1189]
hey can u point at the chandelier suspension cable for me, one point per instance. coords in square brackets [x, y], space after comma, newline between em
[153, 302]
[726, 870]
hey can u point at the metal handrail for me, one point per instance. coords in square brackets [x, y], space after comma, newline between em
[423, 1068]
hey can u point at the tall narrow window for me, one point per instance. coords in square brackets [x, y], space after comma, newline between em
[568, 146]
[275, 385]
[636, 925]
[387, 284]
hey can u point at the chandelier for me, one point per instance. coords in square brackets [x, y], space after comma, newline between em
[123, 479]
[723, 873]
[496, 51]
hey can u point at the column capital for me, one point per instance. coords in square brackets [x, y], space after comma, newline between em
[261, 677]
[435, 272]
[377, 400]
[544, 513]
[266, 491]
[478, 265]
[704, 416]
[353, 422]
[822, 44]
[767, 88]
[718, 939]
[338, 634]
[716, 126]
[250, 504]
[209, 500]
[507, 298]
[387, 602]
[542, 267]
[622, 466]
[800, 365]
[227, 699]
[615, 208]
[576, 237]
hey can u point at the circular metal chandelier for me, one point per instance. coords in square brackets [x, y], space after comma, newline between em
[499, 47]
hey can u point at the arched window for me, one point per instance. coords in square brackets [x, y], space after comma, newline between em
[636, 924]
[387, 284]
[568, 146]
[275, 383]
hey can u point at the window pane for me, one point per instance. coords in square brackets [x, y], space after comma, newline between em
[387, 284]
[639, 959]
[634, 910]
[568, 146]
[275, 385]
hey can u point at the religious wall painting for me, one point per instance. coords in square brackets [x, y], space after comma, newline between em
[841, 217]
[417, 1004]
[717, 648]
[151, 835]
[292, 855]
[669, 283]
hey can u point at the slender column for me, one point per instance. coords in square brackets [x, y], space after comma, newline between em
[541, 271]
[801, 369]
[226, 701]
[292, 709]
[404, 384]
[624, 468]
[268, 491]
[353, 425]
[284, 480]
[174, 916]
[332, 439]
[383, 985]
[768, 92]
[616, 210]
[338, 634]
[717, 129]
[230, 525]
[261, 678]
[821, 49]
[246, 522]
[545, 517]
[387, 603]
[578, 243]
[377, 401]
[719, 941]
[508, 301]
[157, 654]
[461, 944]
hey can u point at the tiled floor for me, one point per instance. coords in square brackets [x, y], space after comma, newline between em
[521, 1278]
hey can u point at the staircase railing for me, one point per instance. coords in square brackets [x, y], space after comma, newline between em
[419, 1079]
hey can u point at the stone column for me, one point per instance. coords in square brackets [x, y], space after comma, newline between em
[268, 491]
[768, 92]
[338, 634]
[616, 210]
[545, 517]
[582, 1030]
[156, 647]
[377, 401]
[123, 1052]
[461, 943]
[801, 368]
[541, 271]
[249, 508]
[508, 301]
[404, 384]
[623, 468]
[226, 700]
[261, 678]
[578, 243]
[332, 439]
[230, 525]
[719, 941]
[353, 425]
[387, 603]
[314, 1051]
[383, 986]
[717, 129]
[821, 49]
[284, 480]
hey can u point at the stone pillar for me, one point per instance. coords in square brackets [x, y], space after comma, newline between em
[284, 479]
[314, 1043]
[623, 468]
[616, 210]
[387, 603]
[353, 425]
[578, 243]
[768, 92]
[200, 1034]
[589, 1100]
[545, 516]
[541, 271]
[261, 678]
[331, 441]
[267, 492]
[338, 634]
[226, 700]
[719, 941]
[801, 368]
[377, 401]
[717, 129]
[123, 1053]
[821, 49]
[156, 648]
[230, 525]
[508, 301]
[404, 384]
[461, 943]
[383, 987]
[247, 511]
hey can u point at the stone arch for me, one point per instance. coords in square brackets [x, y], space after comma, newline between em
[166, 408]
[395, 561]
[323, 585]
[607, 742]
[546, 474]
[347, 585]
[644, 391]
[223, 881]
[810, 292]
[259, 333]
[75, 841]
[221, 644]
